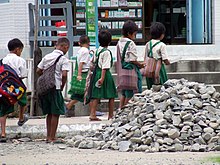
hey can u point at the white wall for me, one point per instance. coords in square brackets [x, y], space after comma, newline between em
[14, 22]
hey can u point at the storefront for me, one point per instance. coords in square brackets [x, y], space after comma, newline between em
[193, 27]
[186, 21]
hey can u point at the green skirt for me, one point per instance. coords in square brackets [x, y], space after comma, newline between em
[108, 88]
[163, 77]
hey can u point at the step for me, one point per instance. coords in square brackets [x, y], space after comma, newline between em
[194, 66]
[202, 77]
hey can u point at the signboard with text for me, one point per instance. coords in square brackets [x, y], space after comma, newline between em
[92, 21]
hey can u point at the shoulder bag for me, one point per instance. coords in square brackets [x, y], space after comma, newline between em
[46, 82]
[126, 78]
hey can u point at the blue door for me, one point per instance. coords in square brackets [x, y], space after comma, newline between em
[199, 21]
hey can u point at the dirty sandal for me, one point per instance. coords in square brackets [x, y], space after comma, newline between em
[95, 119]
[3, 139]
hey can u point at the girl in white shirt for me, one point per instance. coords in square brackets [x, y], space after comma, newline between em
[103, 86]
[158, 50]
[129, 31]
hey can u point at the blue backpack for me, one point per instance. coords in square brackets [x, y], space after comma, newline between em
[11, 86]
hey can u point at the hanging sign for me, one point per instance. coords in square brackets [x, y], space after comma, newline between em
[92, 21]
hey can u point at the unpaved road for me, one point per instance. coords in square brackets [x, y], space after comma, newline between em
[40, 153]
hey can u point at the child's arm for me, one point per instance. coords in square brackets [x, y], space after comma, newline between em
[39, 71]
[139, 64]
[101, 80]
[64, 78]
[167, 62]
[79, 76]
[164, 55]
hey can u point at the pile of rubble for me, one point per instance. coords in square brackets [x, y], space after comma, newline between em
[180, 116]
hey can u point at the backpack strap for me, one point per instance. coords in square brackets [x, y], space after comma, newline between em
[58, 58]
[97, 54]
[124, 50]
[150, 53]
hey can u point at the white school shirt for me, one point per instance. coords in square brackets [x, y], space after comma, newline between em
[131, 53]
[62, 64]
[104, 58]
[159, 51]
[84, 56]
[17, 63]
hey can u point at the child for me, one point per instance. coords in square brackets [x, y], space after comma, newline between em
[103, 85]
[13, 59]
[53, 102]
[157, 31]
[83, 61]
[129, 31]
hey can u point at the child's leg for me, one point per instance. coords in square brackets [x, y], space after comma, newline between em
[93, 106]
[122, 102]
[126, 100]
[54, 125]
[70, 104]
[111, 108]
[21, 113]
[48, 122]
[3, 125]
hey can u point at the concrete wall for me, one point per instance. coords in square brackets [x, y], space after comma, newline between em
[15, 23]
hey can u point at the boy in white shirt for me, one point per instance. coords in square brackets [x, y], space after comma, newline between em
[53, 103]
[13, 59]
[83, 62]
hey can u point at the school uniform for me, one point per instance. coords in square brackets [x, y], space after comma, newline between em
[105, 61]
[53, 102]
[158, 52]
[19, 65]
[130, 55]
[82, 56]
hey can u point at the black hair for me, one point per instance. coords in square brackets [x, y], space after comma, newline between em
[15, 43]
[63, 41]
[104, 38]
[84, 39]
[129, 27]
[156, 30]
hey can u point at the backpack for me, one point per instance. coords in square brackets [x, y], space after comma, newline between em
[46, 82]
[153, 66]
[11, 86]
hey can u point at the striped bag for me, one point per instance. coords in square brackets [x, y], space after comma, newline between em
[153, 66]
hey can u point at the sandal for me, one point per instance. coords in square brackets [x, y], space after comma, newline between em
[95, 119]
[57, 141]
[3, 139]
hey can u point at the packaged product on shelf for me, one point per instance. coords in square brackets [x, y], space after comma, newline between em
[139, 13]
[132, 12]
[122, 3]
[114, 3]
[105, 3]
[120, 24]
[139, 36]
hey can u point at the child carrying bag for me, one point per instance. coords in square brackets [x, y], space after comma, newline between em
[78, 87]
[126, 78]
[153, 66]
[46, 82]
[11, 86]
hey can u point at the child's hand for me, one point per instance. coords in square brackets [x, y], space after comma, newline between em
[100, 81]
[79, 78]
[142, 65]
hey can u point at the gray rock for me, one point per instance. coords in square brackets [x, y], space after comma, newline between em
[208, 130]
[178, 147]
[173, 133]
[124, 146]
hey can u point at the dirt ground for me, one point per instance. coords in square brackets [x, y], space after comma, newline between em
[40, 153]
